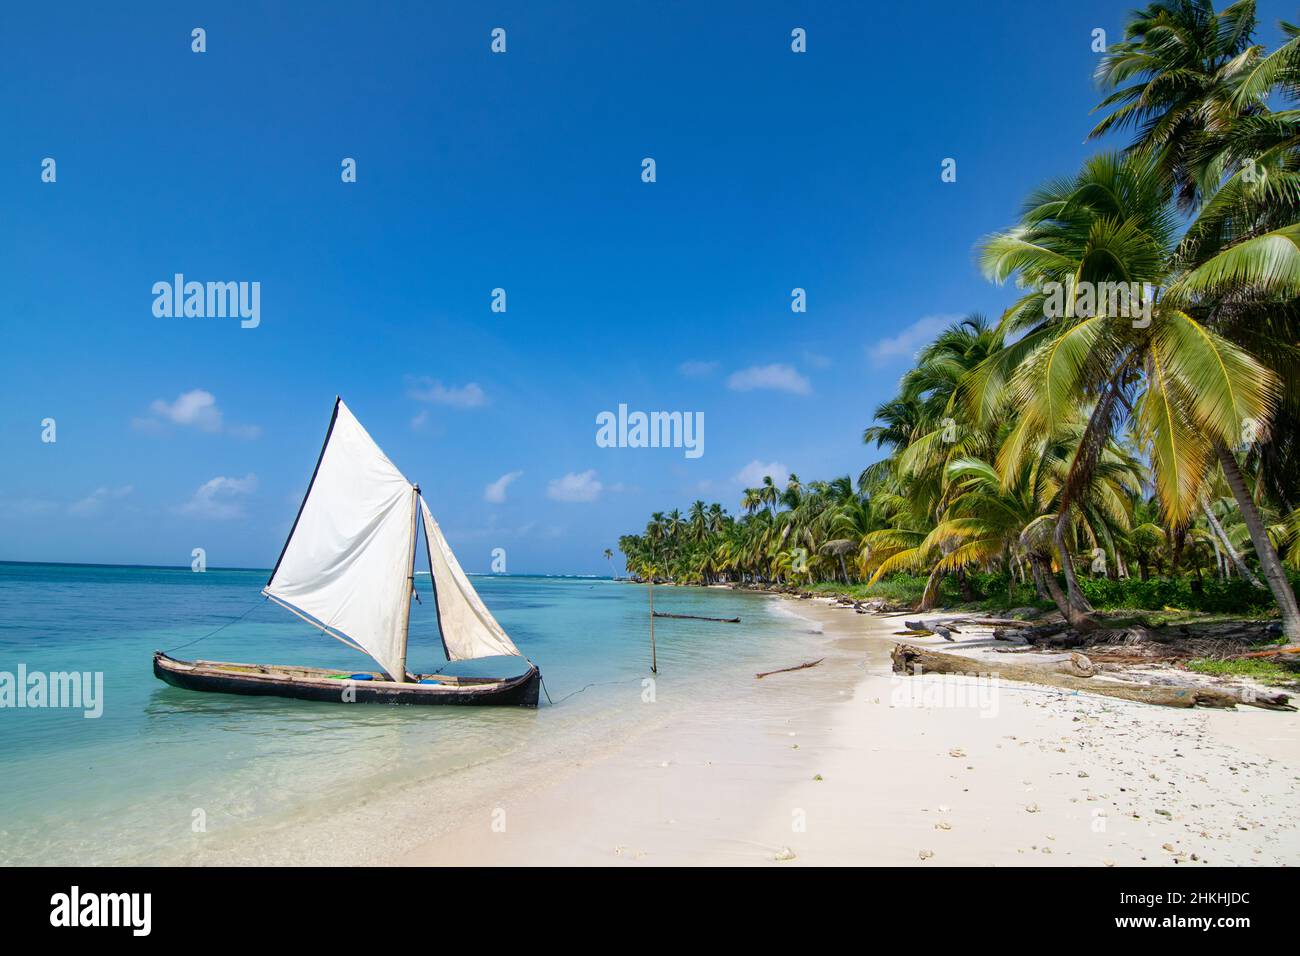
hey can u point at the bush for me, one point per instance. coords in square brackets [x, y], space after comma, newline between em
[1233, 596]
[902, 588]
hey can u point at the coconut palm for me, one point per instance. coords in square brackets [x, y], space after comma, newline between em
[1202, 102]
[1185, 388]
[1173, 78]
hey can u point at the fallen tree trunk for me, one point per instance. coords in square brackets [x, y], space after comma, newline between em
[990, 622]
[1035, 634]
[910, 660]
[931, 627]
[698, 617]
[797, 667]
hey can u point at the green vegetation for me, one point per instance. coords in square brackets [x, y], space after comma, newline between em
[1266, 672]
[1127, 434]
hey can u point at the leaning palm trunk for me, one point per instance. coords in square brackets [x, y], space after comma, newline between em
[1264, 550]
[1039, 587]
[1082, 466]
[1220, 562]
[1076, 608]
[1044, 578]
[931, 593]
[1219, 533]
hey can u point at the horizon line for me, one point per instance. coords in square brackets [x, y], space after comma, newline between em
[186, 567]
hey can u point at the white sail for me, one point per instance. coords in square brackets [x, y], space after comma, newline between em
[468, 628]
[347, 562]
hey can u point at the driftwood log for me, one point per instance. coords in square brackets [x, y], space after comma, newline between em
[931, 627]
[1038, 634]
[954, 619]
[910, 660]
[698, 617]
[797, 667]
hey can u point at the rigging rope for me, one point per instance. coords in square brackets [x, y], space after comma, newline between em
[603, 683]
[221, 628]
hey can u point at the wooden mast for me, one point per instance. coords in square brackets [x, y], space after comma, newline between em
[410, 580]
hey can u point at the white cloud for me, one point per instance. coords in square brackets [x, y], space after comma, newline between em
[906, 343]
[782, 378]
[751, 476]
[575, 487]
[495, 492]
[196, 408]
[220, 498]
[458, 396]
[93, 503]
[697, 369]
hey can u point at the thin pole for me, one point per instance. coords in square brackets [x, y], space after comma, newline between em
[410, 580]
[654, 661]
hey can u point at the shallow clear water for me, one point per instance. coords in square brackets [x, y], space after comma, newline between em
[168, 775]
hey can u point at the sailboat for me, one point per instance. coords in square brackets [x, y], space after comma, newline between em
[348, 568]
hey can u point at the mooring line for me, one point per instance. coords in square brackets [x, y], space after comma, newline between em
[221, 628]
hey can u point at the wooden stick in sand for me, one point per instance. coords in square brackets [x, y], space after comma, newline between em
[797, 667]
[654, 661]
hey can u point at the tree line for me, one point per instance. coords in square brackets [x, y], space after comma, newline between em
[1134, 410]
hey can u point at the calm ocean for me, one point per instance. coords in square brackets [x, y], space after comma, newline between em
[167, 775]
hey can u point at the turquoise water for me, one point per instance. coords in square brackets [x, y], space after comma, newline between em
[166, 775]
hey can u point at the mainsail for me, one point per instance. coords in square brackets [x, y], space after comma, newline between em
[468, 628]
[347, 565]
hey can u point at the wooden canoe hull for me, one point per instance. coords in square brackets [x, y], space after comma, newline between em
[301, 683]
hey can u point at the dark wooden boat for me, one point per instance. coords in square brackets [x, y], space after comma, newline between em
[348, 568]
[329, 686]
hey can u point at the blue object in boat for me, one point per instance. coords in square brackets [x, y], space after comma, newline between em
[361, 677]
[429, 680]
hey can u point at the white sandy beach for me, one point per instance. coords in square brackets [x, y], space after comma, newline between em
[847, 764]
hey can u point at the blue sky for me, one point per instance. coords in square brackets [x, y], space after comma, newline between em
[477, 171]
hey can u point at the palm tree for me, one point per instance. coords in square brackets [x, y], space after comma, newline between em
[1202, 105]
[1181, 61]
[793, 492]
[1186, 388]
[609, 556]
[697, 517]
[717, 518]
